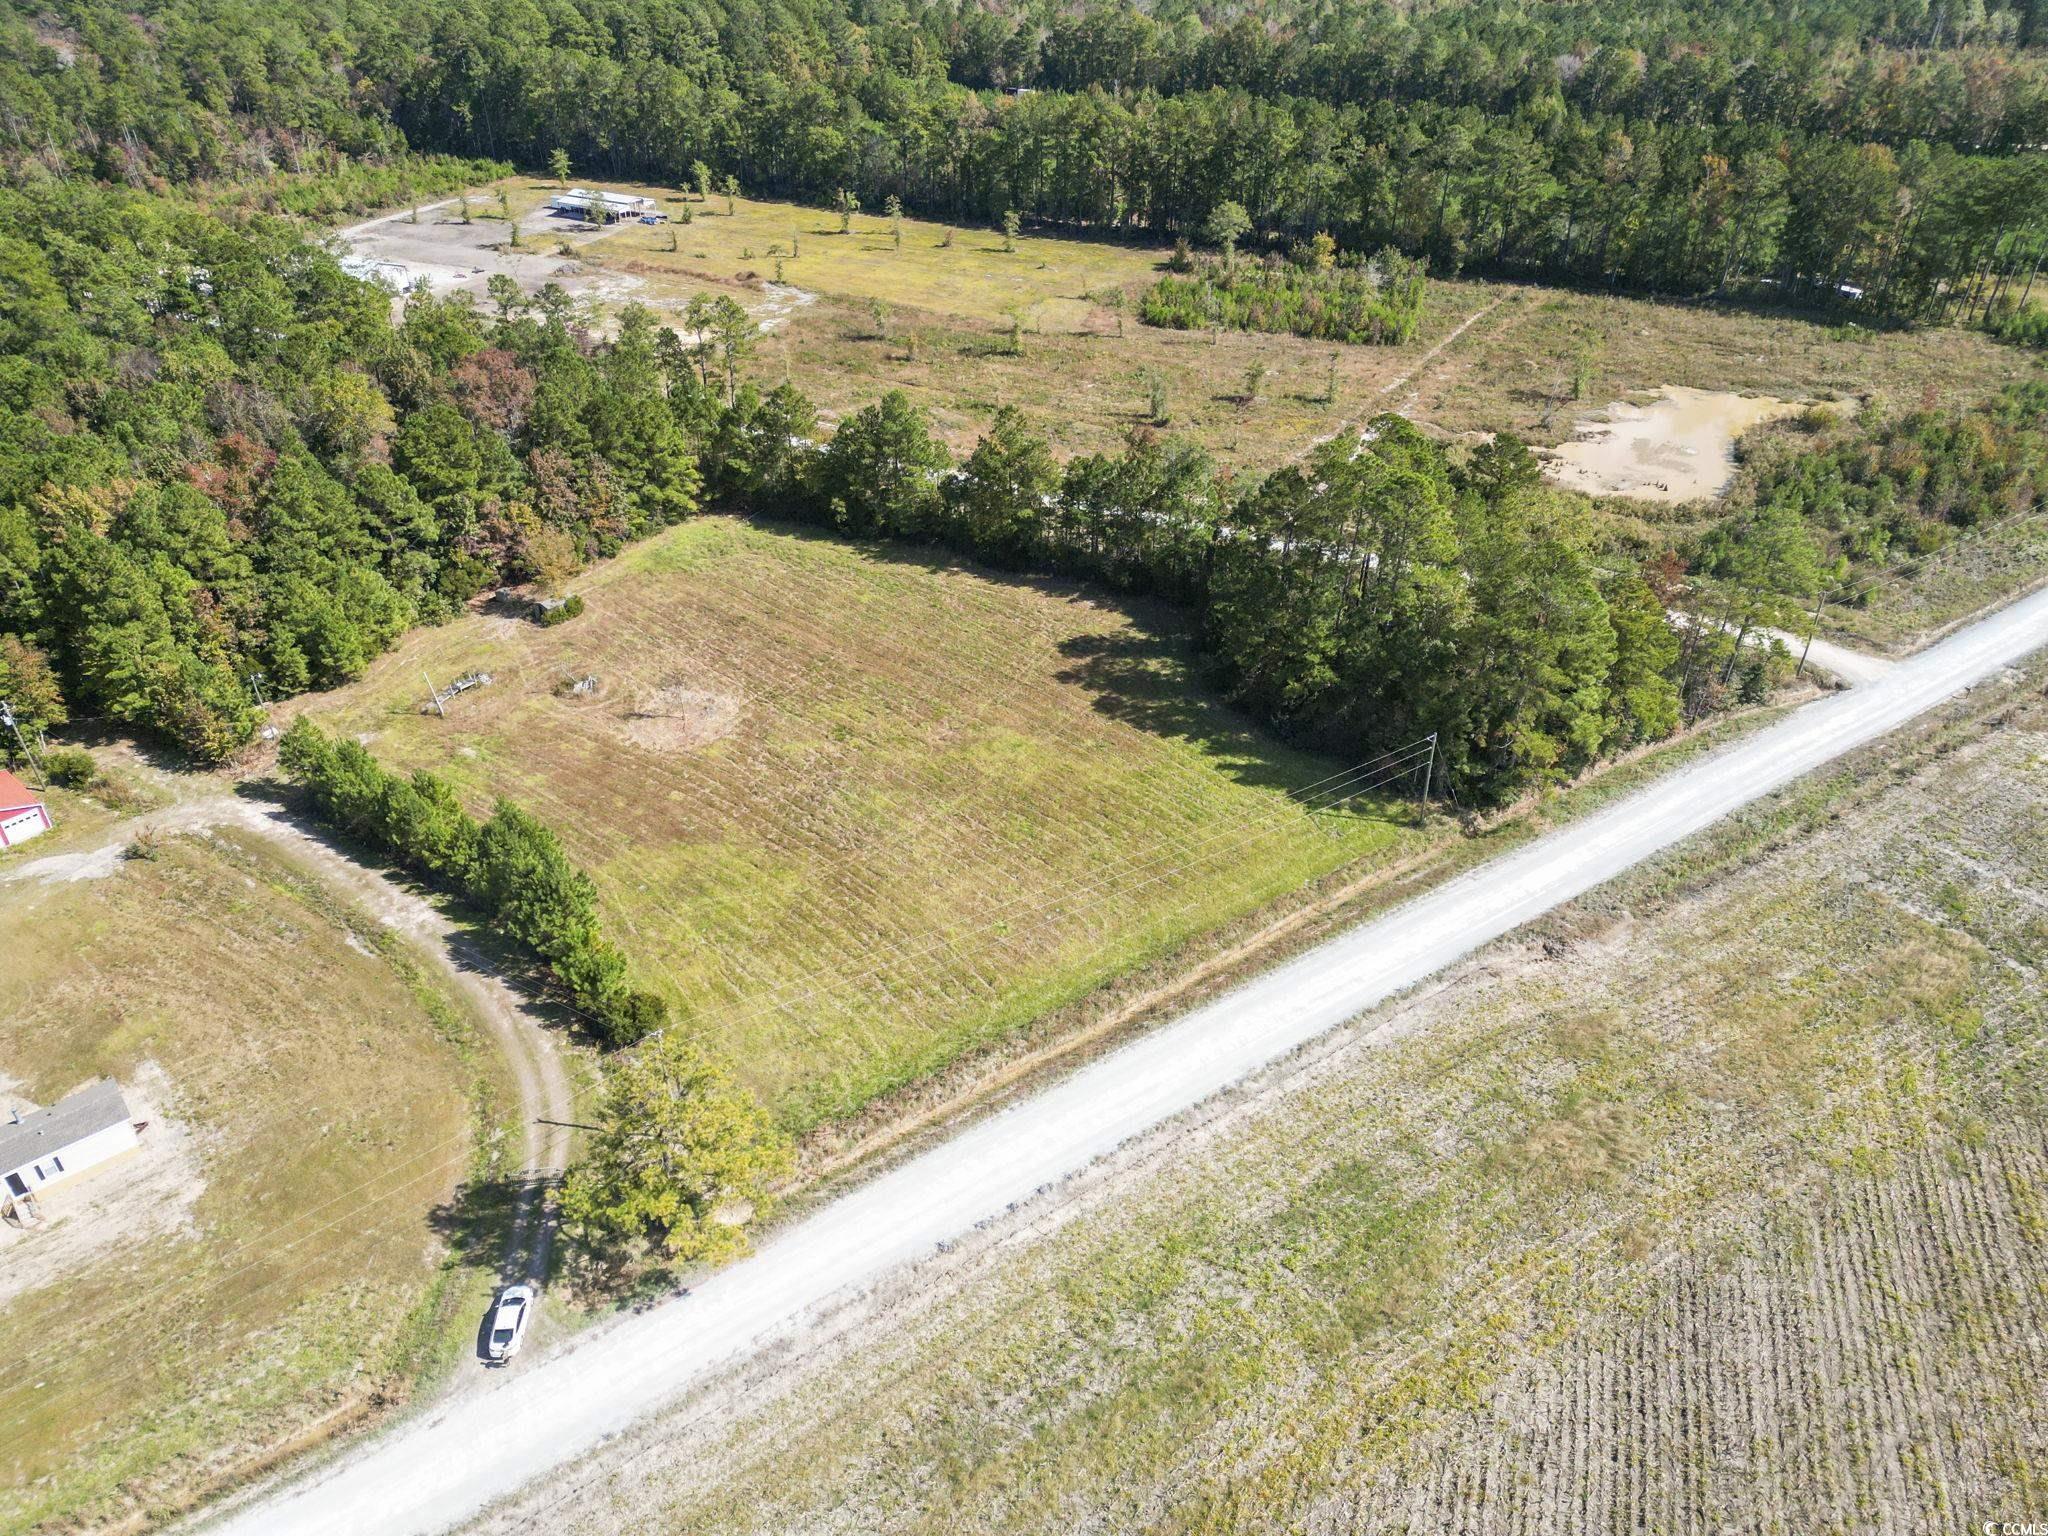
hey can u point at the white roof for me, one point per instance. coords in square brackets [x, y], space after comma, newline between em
[611, 199]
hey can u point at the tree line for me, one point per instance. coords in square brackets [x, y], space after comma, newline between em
[511, 868]
[227, 472]
[1886, 156]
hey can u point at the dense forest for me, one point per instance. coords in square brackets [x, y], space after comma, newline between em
[229, 472]
[225, 470]
[1883, 154]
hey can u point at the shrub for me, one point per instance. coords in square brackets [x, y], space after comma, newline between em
[570, 608]
[512, 867]
[1378, 303]
[71, 768]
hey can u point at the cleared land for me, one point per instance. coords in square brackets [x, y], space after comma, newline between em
[860, 810]
[1533, 360]
[275, 1261]
[1694, 1212]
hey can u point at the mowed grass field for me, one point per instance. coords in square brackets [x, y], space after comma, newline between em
[268, 1265]
[859, 810]
[1710, 1206]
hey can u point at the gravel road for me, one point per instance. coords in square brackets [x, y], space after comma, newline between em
[436, 1470]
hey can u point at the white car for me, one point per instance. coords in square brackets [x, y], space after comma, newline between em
[508, 1322]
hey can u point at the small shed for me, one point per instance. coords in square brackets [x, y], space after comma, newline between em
[22, 812]
[77, 1132]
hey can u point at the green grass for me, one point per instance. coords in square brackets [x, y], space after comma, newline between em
[327, 1097]
[1614, 1237]
[933, 805]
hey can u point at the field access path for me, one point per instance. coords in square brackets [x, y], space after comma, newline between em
[442, 1467]
[546, 1102]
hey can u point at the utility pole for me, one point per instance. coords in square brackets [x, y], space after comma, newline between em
[7, 719]
[441, 708]
[256, 681]
[1812, 628]
[1429, 771]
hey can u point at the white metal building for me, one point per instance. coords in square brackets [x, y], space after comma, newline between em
[77, 1132]
[581, 201]
[22, 812]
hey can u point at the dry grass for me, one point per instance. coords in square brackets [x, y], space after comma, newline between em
[1534, 361]
[327, 1097]
[860, 810]
[1688, 1222]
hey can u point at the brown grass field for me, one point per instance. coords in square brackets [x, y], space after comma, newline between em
[1712, 1205]
[1533, 360]
[265, 1268]
[860, 810]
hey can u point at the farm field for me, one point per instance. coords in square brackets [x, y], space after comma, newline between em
[1487, 355]
[1688, 1212]
[859, 810]
[272, 1264]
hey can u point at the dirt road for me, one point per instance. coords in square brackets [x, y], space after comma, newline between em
[438, 1470]
[528, 1048]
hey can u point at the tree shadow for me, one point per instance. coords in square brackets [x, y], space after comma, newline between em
[478, 1223]
[1147, 676]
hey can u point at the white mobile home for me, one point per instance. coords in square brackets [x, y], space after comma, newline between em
[77, 1132]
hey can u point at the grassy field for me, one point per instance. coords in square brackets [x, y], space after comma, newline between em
[860, 810]
[1083, 379]
[267, 1267]
[1532, 360]
[1693, 1212]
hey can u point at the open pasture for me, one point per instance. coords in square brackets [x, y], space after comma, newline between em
[859, 810]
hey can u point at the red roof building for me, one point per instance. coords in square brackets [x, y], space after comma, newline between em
[22, 812]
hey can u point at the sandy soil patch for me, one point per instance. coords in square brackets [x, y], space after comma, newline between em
[679, 719]
[139, 1197]
[1680, 447]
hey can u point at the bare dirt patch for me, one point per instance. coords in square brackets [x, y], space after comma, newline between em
[1678, 448]
[680, 719]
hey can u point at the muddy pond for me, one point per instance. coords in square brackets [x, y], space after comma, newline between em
[1679, 447]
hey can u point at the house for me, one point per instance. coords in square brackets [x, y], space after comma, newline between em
[22, 812]
[77, 1132]
[582, 202]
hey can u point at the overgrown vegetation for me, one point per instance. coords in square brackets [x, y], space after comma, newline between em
[1900, 483]
[511, 868]
[1376, 302]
